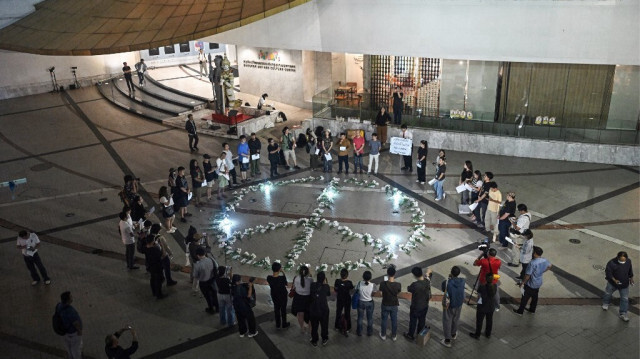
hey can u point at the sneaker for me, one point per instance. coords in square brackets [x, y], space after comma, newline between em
[296, 167]
[173, 228]
[605, 307]
[444, 195]
[183, 220]
[438, 199]
[315, 344]
[394, 338]
[454, 336]
[35, 282]
[286, 167]
[530, 311]
[446, 343]
[517, 312]
[286, 325]
[474, 335]
[47, 282]
[422, 182]
[383, 337]
[251, 335]
[325, 341]
[409, 337]
[497, 310]
[417, 181]
[241, 335]
[172, 283]
[188, 214]
[624, 317]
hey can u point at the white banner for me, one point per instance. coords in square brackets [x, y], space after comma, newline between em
[401, 146]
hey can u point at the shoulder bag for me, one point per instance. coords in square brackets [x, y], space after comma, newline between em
[292, 291]
[355, 299]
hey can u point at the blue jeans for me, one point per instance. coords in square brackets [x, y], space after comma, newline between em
[368, 307]
[624, 297]
[389, 310]
[417, 319]
[503, 227]
[439, 187]
[357, 162]
[227, 315]
[328, 165]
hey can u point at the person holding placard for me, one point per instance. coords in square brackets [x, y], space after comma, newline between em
[343, 153]
[465, 178]
[422, 162]
[408, 166]
[327, 145]
[254, 150]
[440, 176]
[243, 157]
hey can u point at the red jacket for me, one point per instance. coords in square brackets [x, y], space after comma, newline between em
[484, 267]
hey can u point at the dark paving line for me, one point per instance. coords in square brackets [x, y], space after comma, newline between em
[143, 140]
[65, 169]
[44, 108]
[16, 228]
[118, 160]
[588, 224]
[582, 205]
[629, 168]
[527, 174]
[33, 345]
[86, 146]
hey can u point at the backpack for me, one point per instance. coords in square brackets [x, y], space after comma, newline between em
[58, 325]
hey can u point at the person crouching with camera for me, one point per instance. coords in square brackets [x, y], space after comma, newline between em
[488, 263]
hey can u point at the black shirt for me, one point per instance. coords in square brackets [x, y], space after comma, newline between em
[319, 294]
[125, 69]
[137, 211]
[441, 169]
[119, 352]
[486, 292]
[420, 293]
[485, 190]
[254, 146]
[382, 119]
[397, 100]
[196, 173]
[465, 175]
[224, 285]
[422, 152]
[153, 257]
[278, 286]
[273, 156]
[390, 292]
[343, 289]
[509, 207]
[208, 171]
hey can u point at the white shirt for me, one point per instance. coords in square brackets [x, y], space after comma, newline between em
[126, 232]
[299, 289]
[229, 160]
[165, 202]
[523, 222]
[261, 102]
[32, 241]
[407, 134]
[366, 290]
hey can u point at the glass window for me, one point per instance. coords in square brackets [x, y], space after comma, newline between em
[154, 52]
[214, 45]
[169, 49]
[184, 47]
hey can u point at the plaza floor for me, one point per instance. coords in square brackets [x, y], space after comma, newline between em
[73, 149]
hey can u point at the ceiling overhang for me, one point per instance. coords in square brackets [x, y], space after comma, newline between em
[97, 27]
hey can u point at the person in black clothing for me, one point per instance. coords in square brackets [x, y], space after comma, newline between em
[483, 199]
[507, 211]
[343, 288]
[115, 351]
[422, 162]
[619, 275]
[319, 310]
[397, 105]
[279, 295]
[254, 149]
[465, 177]
[274, 157]
[190, 126]
[485, 307]
[153, 257]
[420, 294]
[242, 293]
[382, 119]
[210, 174]
[181, 197]
[126, 69]
[137, 210]
[390, 290]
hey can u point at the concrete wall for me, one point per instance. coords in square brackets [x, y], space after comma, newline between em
[585, 31]
[507, 146]
[282, 86]
[26, 74]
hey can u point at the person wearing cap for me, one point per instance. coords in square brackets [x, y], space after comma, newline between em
[254, 150]
[209, 173]
[420, 294]
[288, 144]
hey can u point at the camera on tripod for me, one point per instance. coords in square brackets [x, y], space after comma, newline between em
[484, 246]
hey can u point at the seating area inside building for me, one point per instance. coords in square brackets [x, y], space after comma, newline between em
[319, 178]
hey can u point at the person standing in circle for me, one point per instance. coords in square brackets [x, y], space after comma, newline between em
[319, 309]
[422, 162]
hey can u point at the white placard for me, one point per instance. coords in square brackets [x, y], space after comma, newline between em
[509, 240]
[327, 156]
[401, 146]
[432, 182]
[343, 148]
[469, 187]
[255, 156]
[418, 164]
[245, 159]
[461, 188]
[153, 209]
[204, 183]
[189, 196]
[317, 151]
[473, 206]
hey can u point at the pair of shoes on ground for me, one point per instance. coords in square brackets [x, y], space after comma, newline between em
[384, 337]
[249, 335]
[46, 282]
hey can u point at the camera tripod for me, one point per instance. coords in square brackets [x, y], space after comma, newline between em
[54, 81]
[75, 77]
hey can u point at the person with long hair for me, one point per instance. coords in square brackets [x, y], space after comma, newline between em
[485, 308]
[302, 297]
[365, 305]
[168, 212]
[319, 310]
[312, 146]
[182, 194]
[327, 145]
[465, 178]
[223, 174]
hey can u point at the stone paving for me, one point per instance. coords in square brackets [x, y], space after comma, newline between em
[70, 200]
